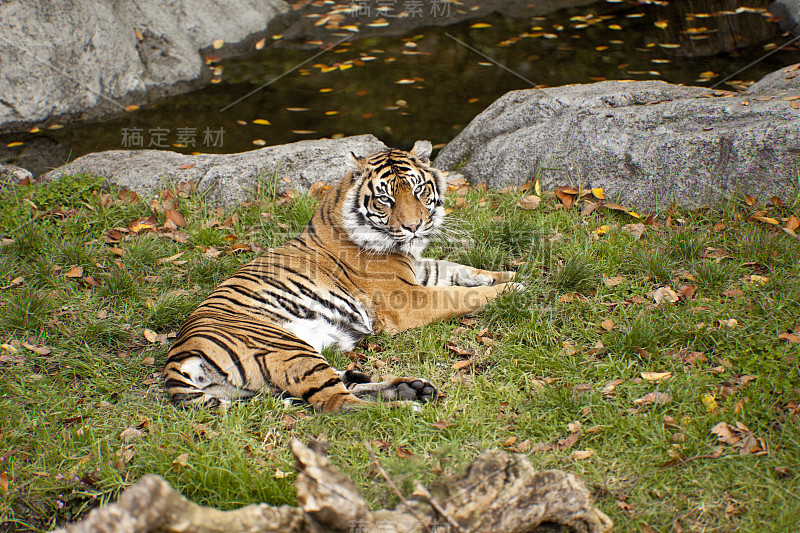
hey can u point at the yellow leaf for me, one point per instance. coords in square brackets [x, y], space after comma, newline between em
[218, 43]
[537, 187]
[709, 401]
[598, 193]
[656, 376]
[616, 27]
[768, 220]
[261, 121]
[661, 24]
[602, 230]
[8, 348]
[260, 43]
[13, 144]
[481, 25]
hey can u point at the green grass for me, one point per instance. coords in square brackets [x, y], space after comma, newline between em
[586, 318]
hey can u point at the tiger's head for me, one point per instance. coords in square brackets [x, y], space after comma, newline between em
[395, 202]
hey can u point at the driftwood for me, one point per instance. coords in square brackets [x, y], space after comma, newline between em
[499, 492]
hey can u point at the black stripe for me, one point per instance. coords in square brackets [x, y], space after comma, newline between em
[314, 390]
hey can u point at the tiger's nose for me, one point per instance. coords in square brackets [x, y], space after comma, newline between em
[413, 226]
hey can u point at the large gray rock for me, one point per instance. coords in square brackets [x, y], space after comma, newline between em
[85, 58]
[789, 13]
[645, 143]
[785, 80]
[227, 179]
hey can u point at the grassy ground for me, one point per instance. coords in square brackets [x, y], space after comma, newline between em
[582, 372]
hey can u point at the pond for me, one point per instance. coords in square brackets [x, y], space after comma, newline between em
[431, 81]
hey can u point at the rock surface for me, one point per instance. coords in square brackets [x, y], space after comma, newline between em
[227, 179]
[14, 174]
[789, 12]
[82, 59]
[645, 143]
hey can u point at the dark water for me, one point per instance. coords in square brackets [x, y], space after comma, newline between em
[426, 84]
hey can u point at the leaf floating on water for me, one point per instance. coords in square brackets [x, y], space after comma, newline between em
[260, 43]
[259, 142]
[478, 25]
[661, 24]
[218, 43]
[262, 122]
[296, 109]
[405, 81]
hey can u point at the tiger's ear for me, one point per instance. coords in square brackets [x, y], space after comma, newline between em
[354, 162]
[422, 151]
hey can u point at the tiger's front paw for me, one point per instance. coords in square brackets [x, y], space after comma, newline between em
[415, 389]
[503, 277]
[509, 287]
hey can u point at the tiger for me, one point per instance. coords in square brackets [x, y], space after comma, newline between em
[356, 269]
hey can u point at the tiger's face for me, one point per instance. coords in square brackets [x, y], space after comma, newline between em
[396, 202]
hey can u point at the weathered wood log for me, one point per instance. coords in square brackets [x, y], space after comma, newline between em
[498, 492]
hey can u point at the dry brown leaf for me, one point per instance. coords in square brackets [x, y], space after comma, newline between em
[529, 202]
[181, 461]
[463, 364]
[40, 349]
[665, 294]
[565, 197]
[150, 335]
[792, 223]
[612, 281]
[794, 339]
[607, 324]
[74, 272]
[579, 455]
[442, 424]
[659, 398]
[170, 259]
[131, 434]
[719, 226]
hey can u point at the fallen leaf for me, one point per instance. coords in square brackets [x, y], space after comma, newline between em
[598, 193]
[131, 434]
[659, 398]
[665, 294]
[579, 455]
[403, 452]
[607, 324]
[74, 272]
[709, 401]
[442, 424]
[4, 481]
[181, 461]
[565, 197]
[40, 349]
[656, 376]
[612, 281]
[175, 217]
[150, 335]
[529, 202]
[462, 364]
[794, 339]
